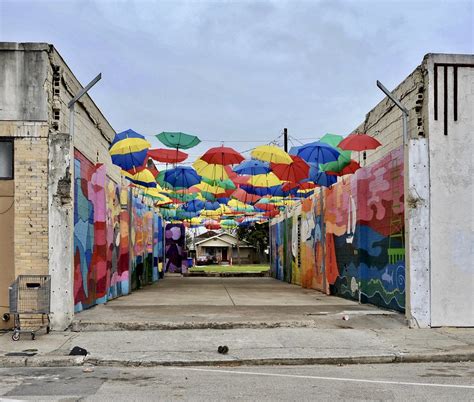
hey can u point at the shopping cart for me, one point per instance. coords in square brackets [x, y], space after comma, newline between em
[30, 297]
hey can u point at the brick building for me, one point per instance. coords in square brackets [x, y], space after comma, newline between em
[46, 179]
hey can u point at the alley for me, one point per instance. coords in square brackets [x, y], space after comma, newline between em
[259, 302]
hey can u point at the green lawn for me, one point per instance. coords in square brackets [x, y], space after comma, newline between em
[231, 268]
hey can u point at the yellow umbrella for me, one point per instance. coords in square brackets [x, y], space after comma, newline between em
[209, 188]
[209, 170]
[271, 153]
[206, 213]
[196, 221]
[264, 180]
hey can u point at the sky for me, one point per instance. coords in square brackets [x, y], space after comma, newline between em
[238, 72]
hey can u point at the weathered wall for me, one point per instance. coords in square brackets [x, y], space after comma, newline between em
[451, 128]
[348, 240]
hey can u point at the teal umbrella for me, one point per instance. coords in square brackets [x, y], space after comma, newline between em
[178, 140]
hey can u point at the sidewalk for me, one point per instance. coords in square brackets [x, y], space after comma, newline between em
[289, 346]
[182, 321]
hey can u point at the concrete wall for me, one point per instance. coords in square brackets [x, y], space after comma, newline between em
[451, 196]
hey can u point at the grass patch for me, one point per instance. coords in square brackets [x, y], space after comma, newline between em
[231, 268]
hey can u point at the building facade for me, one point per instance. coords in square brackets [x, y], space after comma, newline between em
[398, 233]
[64, 209]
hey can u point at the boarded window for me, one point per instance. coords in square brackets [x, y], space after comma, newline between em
[6, 159]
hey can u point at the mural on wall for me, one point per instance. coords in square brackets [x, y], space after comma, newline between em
[351, 236]
[174, 246]
[113, 231]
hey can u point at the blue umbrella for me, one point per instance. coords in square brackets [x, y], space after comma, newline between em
[252, 167]
[317, 152]
[182, 177]
[129, 149]
[262, 191]
[182, 214]
[194, 206]
[321, 178]
[211, 206]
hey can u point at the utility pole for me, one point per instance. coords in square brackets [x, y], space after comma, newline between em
[285, 139]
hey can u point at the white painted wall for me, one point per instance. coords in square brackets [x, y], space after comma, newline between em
[451, 201]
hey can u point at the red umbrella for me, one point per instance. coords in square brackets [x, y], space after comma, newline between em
[307, 186]
[352, 167]
[358, 142]
[167, 155]
[294, 171]
[271, 214]
[222, 156]
[289, 186]
[241, 179]
[245, 197]
[265, 207]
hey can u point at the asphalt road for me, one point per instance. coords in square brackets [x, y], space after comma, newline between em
[424, 381]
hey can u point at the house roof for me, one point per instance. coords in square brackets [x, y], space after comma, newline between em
[233, 243]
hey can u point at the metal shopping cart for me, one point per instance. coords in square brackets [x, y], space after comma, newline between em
[30, 297]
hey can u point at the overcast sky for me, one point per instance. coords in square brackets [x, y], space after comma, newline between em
[240, 70]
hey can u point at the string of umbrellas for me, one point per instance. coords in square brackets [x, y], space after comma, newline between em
[222, 189]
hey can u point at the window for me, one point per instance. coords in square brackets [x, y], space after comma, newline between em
[6, 158]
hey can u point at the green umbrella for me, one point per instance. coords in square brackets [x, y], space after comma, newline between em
[226, 184]
[178, 140]
[331, 139]
[344, 158]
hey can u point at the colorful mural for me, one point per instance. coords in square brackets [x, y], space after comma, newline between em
[174, 246]
[114, 233]
[349, 237]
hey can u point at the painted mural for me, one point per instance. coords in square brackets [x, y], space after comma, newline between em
[174, 246]
[350, 237]
[114, 233]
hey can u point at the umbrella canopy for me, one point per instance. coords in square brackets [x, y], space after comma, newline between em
[194, 206]
[331, 139]
[222, 156]
[178, 140]
[264, 180]
[294, 171]
[228, 223]
[351, 168]
[143, 178]
[321, 178]
[359, 142]
[164, 155]
[270, 153]
[129, 149]
[183, 177]
[241, 195]
[226, 184]
[252, 167]
[317, 152]
[210, 170]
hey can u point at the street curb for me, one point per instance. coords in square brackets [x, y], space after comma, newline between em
[242, 274]
[65, 361]
[85, 326]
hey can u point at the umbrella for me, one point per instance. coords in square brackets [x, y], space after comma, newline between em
[317, 152]
[270, 153]
[222, 156]
[209, 188]
[252, 167]
[321, 178]
[241, 195]
[228, 224]
[143, 178]
[164, 155]
[129, 149]
[264, 180]
[210, 170]
[294, 171]
[178, 140]
[352, 167]
[359, 142]
[226, 184]
[183, 177]
[194, 206]
[331, 139]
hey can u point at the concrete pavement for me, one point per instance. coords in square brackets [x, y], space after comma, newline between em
[399, 382]
[182, 321]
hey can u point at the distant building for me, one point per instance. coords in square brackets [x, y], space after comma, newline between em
[226, 248]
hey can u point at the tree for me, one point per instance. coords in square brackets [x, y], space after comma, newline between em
[256, 235]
